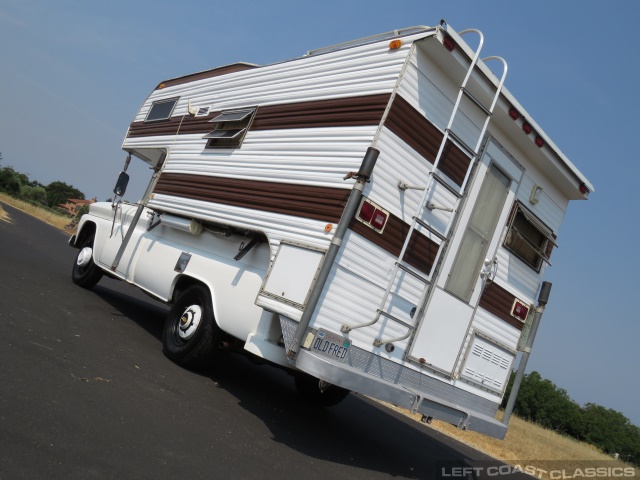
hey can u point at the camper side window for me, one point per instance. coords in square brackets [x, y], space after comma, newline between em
[161, 110]
[528, 238]
[230, 128]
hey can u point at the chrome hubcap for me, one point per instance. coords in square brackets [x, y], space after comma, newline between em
[189, 322]
[84, 257]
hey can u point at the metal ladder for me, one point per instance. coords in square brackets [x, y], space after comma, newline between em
[400, 264]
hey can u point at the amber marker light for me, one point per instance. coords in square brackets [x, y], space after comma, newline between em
[328, 227]
[395, 44]
[162, 85]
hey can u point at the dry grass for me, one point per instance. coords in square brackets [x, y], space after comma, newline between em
[58, 221]
[4, 217]
[529, 444]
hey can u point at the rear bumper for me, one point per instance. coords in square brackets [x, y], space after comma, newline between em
[347, 377]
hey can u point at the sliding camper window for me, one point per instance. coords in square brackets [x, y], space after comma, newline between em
[161, 110]
[528, 238]
[230, 128]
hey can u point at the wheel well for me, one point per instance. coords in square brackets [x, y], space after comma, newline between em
[88, 230]
[182, 283]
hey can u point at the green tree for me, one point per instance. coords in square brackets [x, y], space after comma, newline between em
[34, 193]
[542, 402]
[59, 192]
[610, 430]
[10, 181]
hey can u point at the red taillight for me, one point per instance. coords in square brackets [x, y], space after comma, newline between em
[448, 43]
[527, 128]
[514, 114]
[379, 219]
[366, 211]
[520, 310]
[539, 141]
[372, 215]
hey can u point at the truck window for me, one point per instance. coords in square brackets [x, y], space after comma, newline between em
[161, 110]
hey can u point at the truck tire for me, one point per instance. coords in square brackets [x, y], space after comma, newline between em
[85, 272]
[191, 335]
[318, 392]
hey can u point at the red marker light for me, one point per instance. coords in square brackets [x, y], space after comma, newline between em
[539, 141]
[527, 128]
[583, 189]
[514, 114]
[448, 43]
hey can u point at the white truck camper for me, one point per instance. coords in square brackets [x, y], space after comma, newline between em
[375, 216]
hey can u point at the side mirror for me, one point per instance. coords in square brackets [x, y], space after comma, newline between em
[121, 184]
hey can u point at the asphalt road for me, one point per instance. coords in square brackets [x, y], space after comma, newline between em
[85, 392]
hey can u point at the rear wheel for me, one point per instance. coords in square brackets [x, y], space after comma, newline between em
[85, 272]
[318, 392]
[191, 335]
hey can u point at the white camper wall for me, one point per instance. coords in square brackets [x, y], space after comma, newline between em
[304, 156]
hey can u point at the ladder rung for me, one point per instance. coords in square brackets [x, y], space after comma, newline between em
[395, 319]
[430, 228]
[466, 147]
[477, 102]
[444, 183]
[412, 272]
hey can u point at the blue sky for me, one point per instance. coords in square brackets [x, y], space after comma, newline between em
[74, 72]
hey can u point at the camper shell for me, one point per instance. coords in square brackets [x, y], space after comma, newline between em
[377, 214]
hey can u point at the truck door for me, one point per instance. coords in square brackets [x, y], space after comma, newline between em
[129, 222]
[458, 287]
[123, 218]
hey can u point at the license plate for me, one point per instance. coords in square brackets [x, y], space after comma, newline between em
[330, 344]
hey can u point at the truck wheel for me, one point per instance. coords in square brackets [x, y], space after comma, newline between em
[85, 272]
[190, 332]
[318, 392]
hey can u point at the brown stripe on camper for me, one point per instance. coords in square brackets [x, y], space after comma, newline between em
[335, 112]
[421, 251]
[415, 130]
[214, 72]
[498, 301]
[318, 203]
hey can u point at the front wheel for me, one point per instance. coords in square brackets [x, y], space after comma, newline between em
[318, 392]
[85, 272]
[191, 335]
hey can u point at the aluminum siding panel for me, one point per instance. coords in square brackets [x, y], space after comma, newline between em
[365, 70]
